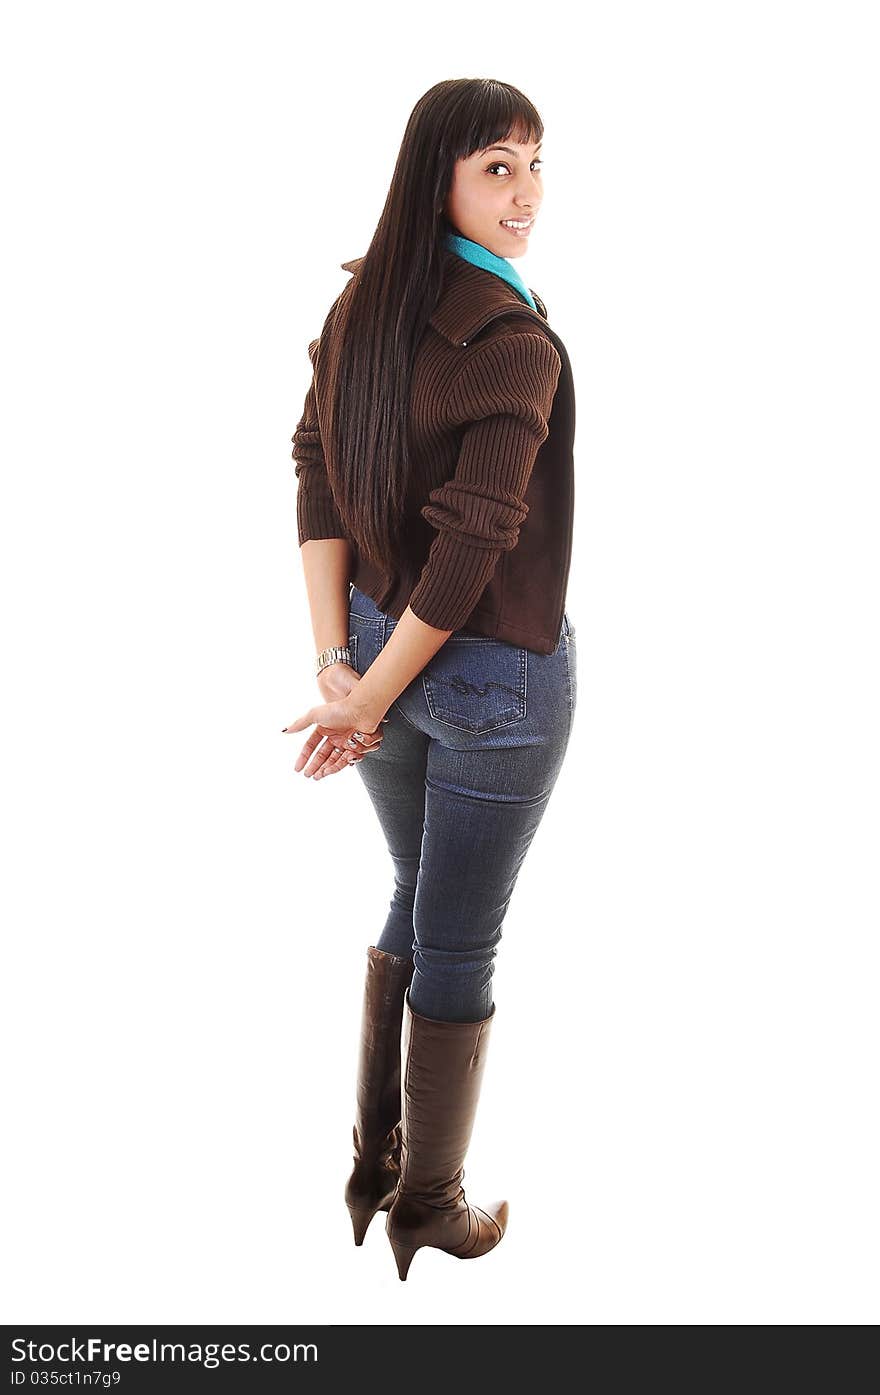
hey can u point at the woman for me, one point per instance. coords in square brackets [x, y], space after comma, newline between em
[435, 511]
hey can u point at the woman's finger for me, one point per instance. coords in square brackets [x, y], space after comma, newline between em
[363, 742]
[302, 722]
[324, 752]
[336, 761]
[354, 750]
[309, 747]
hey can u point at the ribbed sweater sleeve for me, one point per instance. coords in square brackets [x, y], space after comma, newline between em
[316, 512]
[502, 395]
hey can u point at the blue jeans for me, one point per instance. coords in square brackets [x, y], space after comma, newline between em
[470, 755]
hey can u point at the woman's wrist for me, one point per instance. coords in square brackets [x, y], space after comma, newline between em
[333, 654]
[398, 663]
[369, 710]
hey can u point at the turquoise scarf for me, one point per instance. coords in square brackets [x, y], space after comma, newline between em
[481, 256]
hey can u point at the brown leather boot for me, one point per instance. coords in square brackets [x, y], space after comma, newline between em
[442, 1069]
[376, 1133]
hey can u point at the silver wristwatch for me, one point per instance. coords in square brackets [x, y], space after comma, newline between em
[336, 654]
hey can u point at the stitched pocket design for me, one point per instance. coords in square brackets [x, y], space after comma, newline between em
[353, 646]
[476, 685]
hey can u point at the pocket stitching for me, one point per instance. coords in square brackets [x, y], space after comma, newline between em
[457, 721]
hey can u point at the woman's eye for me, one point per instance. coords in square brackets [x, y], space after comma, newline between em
[500, 165]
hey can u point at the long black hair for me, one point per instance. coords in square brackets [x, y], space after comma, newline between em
[383, 312]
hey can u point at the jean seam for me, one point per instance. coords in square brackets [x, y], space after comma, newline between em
[570, 687]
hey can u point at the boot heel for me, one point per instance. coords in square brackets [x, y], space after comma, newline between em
[403, 1256]
[360, 1220]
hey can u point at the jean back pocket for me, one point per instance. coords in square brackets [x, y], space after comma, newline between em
[476, 684]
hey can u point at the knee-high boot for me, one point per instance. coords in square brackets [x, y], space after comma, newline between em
[376, 1131]
[442, 1067]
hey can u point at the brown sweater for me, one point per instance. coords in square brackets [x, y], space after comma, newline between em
[486, 378]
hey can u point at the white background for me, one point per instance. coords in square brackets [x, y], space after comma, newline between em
[681, 1098]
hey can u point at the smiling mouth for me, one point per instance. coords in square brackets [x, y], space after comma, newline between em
[521, 228]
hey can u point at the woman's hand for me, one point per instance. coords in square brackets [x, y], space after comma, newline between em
[340, 738]
[337, 681]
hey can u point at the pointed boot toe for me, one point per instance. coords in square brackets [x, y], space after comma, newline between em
[493, 1219]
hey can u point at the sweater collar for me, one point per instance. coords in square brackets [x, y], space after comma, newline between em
[479, 255]
[470, 297]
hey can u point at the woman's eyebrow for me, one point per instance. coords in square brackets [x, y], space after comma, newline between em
[506, 148]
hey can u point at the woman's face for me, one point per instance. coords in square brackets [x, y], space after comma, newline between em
[499, 183]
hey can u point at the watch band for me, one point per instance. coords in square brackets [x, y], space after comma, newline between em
[335, 654]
